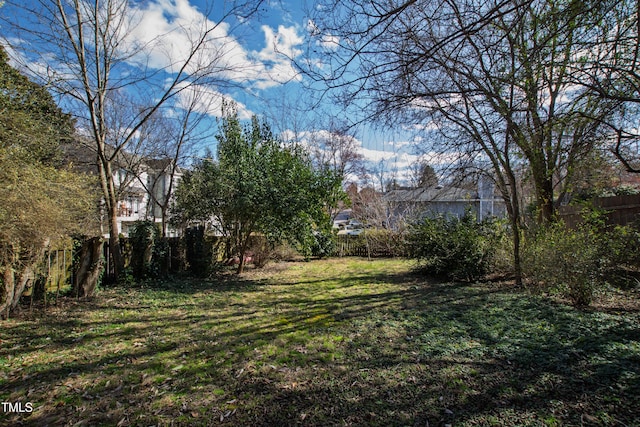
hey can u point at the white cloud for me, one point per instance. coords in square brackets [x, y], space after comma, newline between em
[280, 48]
[204, 99]
[282, 42]
[166, 31]
[327, 41]
[397, 158]
[376, 156]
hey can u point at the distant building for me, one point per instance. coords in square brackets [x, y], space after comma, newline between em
[143, 191]
[432, 201]
[142, 183]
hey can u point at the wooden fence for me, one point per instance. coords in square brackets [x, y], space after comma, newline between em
[620, 210]
[59, 270]
[361, 246]
[55, 273]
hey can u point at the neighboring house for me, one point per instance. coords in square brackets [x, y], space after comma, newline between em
[432, 201]
[141, 182]
[144, 192]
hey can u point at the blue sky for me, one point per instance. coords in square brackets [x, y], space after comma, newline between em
[255, 55]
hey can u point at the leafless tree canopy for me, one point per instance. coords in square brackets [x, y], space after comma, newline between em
[611, 69]
[493, 83]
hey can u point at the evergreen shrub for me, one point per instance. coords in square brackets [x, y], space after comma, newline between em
[453, 247]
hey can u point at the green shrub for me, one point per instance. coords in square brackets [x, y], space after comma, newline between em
[324, 243]
[582, 262]
[142, 237]
[457, 248]
[149, 253]
[260, 250]
[623, 247]
[284, 251]
[565, 261]
[198, 252]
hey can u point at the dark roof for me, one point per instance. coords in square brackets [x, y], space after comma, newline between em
[81, 153]
[432, 194]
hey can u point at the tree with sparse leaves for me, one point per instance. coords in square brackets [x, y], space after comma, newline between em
[490, 82]
[608, 64]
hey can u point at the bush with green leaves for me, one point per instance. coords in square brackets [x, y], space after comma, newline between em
[623, 248]
[580, 263]
[324, 243]
[564, 261]
[457, 248]
[199, 258]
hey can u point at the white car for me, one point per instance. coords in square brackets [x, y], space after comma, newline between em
[354, 231]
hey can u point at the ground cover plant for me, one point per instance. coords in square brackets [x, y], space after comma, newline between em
[332, 342]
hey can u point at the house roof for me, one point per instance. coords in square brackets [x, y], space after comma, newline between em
[431, 194]
[82, 155]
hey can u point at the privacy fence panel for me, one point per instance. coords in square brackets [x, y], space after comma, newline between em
[620, 210]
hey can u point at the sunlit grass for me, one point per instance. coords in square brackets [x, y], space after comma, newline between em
[337, 342]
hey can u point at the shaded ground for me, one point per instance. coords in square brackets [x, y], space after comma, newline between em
[338, 342]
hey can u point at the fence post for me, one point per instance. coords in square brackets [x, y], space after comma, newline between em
[57, 277]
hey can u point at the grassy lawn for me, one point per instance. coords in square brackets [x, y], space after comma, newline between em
[337, 342]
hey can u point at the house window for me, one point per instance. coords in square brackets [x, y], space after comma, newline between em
[124, 209]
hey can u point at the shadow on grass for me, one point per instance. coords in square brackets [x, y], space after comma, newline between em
[368, 349]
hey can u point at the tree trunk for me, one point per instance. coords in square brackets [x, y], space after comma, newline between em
[27, 275]
[243, 250]
[8, 279]
[509, 191]
[544, 196]
[547, 209]
[111, 202]
[89, 268]
[517, 261]
[114, 245]
[13, 289]
[241, 262]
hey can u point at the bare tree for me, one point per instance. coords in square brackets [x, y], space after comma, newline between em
[87, 52]
[169, 144]
[337, 148]
[425, 175]
[492, 77]
[334, 149]
[609, 65]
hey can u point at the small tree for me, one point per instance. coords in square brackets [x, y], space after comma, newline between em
[256, 186]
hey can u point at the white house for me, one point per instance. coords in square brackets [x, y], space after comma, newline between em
[144, 185]
[144, 192]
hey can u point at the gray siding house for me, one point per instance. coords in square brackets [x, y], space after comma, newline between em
[421, 202]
